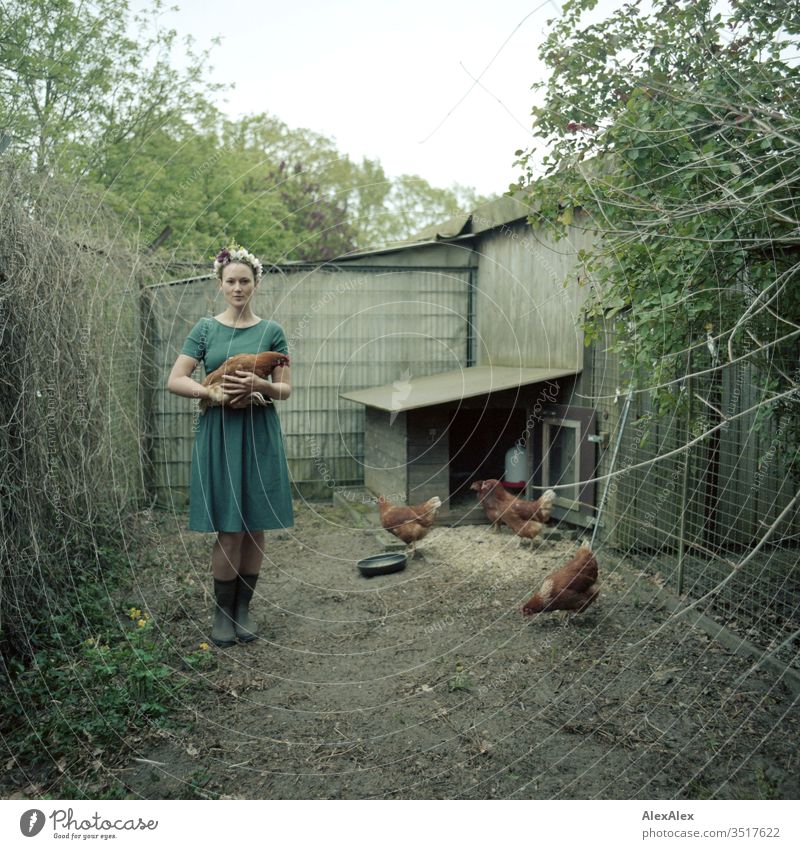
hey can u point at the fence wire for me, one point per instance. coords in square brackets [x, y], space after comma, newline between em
[691, 518]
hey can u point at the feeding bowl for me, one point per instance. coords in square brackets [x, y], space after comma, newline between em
[382, 564]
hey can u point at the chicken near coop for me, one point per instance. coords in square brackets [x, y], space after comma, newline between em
[491, 506]
[525, 518]
[262, 365]
[540, 510]
[409, 523]
[570, 588]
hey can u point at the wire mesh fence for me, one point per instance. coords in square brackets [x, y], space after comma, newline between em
[698, 512]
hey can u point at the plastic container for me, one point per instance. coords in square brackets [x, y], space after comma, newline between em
[514, 477]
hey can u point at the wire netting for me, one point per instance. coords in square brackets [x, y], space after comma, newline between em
[698, 516]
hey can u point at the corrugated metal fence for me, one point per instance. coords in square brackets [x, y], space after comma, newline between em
[693, 516]
[348, 327]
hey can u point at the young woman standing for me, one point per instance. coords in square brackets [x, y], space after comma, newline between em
[240, 480]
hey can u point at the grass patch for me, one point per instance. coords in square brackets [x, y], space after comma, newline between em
[101, 676]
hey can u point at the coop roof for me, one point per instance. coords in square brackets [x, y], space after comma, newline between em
[466, 225]
[450, 386]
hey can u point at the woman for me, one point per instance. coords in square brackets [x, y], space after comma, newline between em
[240, 482]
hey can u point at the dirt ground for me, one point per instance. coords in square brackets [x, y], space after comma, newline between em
[431, 684]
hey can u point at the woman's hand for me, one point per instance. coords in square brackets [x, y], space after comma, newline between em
[239, 386]
[236, 402]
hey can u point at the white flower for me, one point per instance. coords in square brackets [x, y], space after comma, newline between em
[239, 254]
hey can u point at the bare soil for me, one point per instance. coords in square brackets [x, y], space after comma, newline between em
[430, 683]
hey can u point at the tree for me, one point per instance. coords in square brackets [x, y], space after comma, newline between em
[305, 174]
[213, 182]
[74, 83]
[414, 204]
[378, 208]
[676, 131]
[81, 96]
[288, 193]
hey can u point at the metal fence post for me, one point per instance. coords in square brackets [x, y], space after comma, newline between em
[685, 482]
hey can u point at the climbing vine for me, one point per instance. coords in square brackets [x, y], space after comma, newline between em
[675, 130]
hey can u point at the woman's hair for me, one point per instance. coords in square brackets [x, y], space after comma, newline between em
[236, 253]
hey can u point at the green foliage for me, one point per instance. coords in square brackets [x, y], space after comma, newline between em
[460, 679]
[80, 95]
[79, 698]
[74, 82]
[287, 194]
[674, 131]
[89, 91]
[413, 204]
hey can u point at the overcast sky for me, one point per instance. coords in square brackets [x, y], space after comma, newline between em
[391, 80]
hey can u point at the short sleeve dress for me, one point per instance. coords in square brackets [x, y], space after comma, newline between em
[240, 480]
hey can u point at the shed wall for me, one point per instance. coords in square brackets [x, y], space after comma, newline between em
[525, 315]
[441, 254]
[385, 454]
[428, 454]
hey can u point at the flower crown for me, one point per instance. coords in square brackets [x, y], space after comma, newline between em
[236, 253]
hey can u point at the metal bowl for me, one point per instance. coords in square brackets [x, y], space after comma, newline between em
[382, 564]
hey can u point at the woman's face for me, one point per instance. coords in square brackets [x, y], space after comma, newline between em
[237, 283]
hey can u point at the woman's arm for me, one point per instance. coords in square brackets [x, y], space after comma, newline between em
[243, 383]
[280, 387]
[180, 382]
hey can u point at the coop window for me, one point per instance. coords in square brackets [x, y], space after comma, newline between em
[560, 459]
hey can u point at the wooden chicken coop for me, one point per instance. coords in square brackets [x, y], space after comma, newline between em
[438, 434]
[434, 434]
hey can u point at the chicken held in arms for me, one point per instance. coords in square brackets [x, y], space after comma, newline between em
[410, 524]
[260, 364]
[525, 518]
[570, 588]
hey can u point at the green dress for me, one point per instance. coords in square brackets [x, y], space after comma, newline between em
[240, 480]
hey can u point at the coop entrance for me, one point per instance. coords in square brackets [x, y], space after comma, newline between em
[566, 445]
[479, 441]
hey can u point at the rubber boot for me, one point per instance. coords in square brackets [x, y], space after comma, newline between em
[222, 631]
[244, 625]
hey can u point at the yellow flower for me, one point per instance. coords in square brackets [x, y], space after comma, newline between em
[204, 646]
[134, 613]
[141, 623]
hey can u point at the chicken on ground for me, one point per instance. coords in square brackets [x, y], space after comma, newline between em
[570, 588]
[410, 524]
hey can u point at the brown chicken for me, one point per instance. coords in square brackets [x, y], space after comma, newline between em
[409, 524]
[262, 364]
[571, 588]
[541, 510]
[525, 518]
